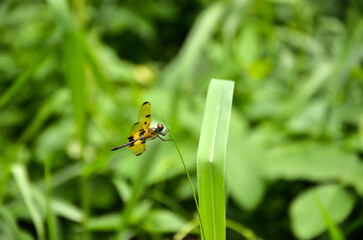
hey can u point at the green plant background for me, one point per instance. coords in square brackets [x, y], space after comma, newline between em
[73, 75]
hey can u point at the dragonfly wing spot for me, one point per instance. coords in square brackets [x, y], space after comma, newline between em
[141, 133]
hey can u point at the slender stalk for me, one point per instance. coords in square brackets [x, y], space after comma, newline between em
[48, 199]
[6, 170]
[242, 230]
[187, 172]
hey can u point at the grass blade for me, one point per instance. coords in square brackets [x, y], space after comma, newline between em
[9, 228]
[23, 79]
[73, 66]
[334, 231]
[180, 70]
[242, 230]
[21, 179]
[211, 158]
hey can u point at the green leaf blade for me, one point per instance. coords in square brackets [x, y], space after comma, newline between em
[211, 158]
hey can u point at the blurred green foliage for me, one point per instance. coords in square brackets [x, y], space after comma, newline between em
[73, 75]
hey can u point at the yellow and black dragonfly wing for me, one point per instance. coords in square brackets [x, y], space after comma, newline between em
[140, 129]
[134, 143]
[137, 146]
[144, 116]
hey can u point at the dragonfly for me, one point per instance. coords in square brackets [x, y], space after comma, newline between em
[142, 132]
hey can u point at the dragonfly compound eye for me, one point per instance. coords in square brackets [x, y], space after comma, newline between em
[160, 127]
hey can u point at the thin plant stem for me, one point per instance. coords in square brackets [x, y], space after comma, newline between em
[187, 172]
[48, 199]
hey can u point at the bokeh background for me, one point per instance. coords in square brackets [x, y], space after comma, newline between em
[73, 75]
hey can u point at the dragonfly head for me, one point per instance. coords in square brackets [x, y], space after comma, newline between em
[159, 127]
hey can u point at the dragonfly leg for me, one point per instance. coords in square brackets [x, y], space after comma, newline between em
[164, 133]
[165, 140]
